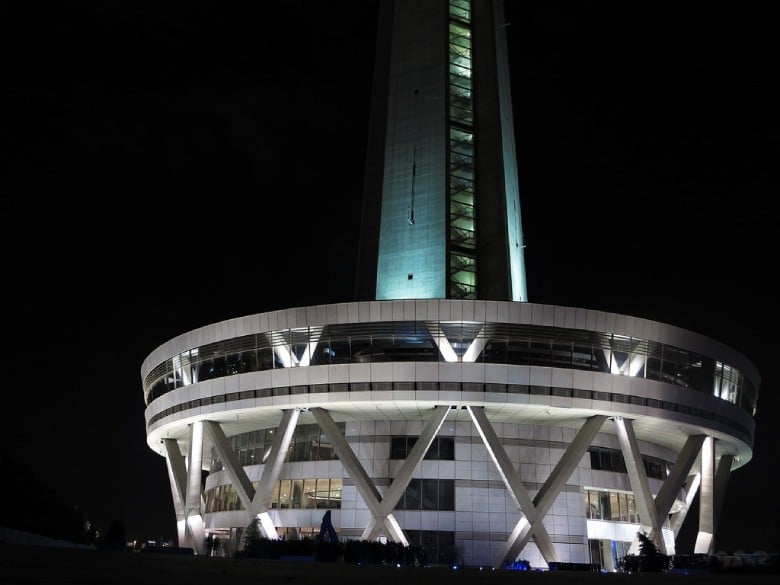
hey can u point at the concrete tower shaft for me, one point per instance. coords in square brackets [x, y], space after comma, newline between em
[441, 215]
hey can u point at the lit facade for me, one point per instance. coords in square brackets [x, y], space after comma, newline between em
[441, 206]
[441, 408]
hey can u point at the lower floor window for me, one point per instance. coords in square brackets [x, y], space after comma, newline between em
[428, 494]
[437, 547]
[288, 493]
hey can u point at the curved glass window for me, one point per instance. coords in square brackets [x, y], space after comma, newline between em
[453, 341]
[605, 459]
[308, 444]
[613, 506]
[287, 494]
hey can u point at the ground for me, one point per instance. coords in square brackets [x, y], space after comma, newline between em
[31, 565]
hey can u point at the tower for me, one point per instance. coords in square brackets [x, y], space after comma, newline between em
[441, 408]
[441, 210]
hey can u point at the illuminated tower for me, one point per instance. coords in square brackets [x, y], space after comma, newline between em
[441, 215]
[435, 409]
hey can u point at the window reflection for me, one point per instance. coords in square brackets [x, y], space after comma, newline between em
[414, 341]
[307, 444]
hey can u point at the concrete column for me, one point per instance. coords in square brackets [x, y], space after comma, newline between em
[691, 489]
[404, 475]
[177, 476]
[232, 467]
[514, 484]
[639, 484]
[553, 485]
[672, 485]
[705, 537]
[272, 468]
[194, 497]
[354, 469]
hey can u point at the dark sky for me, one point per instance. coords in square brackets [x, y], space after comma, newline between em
[173, 164]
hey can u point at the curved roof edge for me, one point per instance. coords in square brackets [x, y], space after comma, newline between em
[449, 309]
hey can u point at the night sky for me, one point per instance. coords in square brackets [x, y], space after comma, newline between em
[172, 164]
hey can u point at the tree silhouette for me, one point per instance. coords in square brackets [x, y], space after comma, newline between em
[651, 560]
[252, 537]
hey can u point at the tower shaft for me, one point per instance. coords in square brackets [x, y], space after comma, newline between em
[441, 208]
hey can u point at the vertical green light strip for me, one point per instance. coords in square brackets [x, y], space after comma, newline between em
[462, 270]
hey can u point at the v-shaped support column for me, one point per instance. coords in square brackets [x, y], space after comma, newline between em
[230, 463]
[404, 475]
[380, 508]
[271, 471]
[186, 490]
[546, 495]
[705, 536]
[711, 495]
[653, 511]
[256, 503]
[674, 482]
[691, 489]
[637, 477]
[514, 484]
[177, 474]
[354, 469]
[194, 505]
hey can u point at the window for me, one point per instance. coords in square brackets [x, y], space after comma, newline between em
[438, 546]
[428, 494]
[442, 448]
[611, 506]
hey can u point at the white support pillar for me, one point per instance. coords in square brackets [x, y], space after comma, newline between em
[554, 484]
[674, 482]
[404, 475]
[546, 495]
[705, 537]
[441, 341]
[637, 478]
[194, 497]
[232, 467]
[256, 502]
[677, 475]
[654, 509]
[691, 489]
[514, 484]
[475, 349]
[354, 469]
[272, 468]
[273, 463]
[177, 475]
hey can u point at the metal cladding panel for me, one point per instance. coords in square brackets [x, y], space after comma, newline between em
[411, 261]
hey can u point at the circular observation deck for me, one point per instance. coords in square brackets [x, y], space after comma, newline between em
[397, 360]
